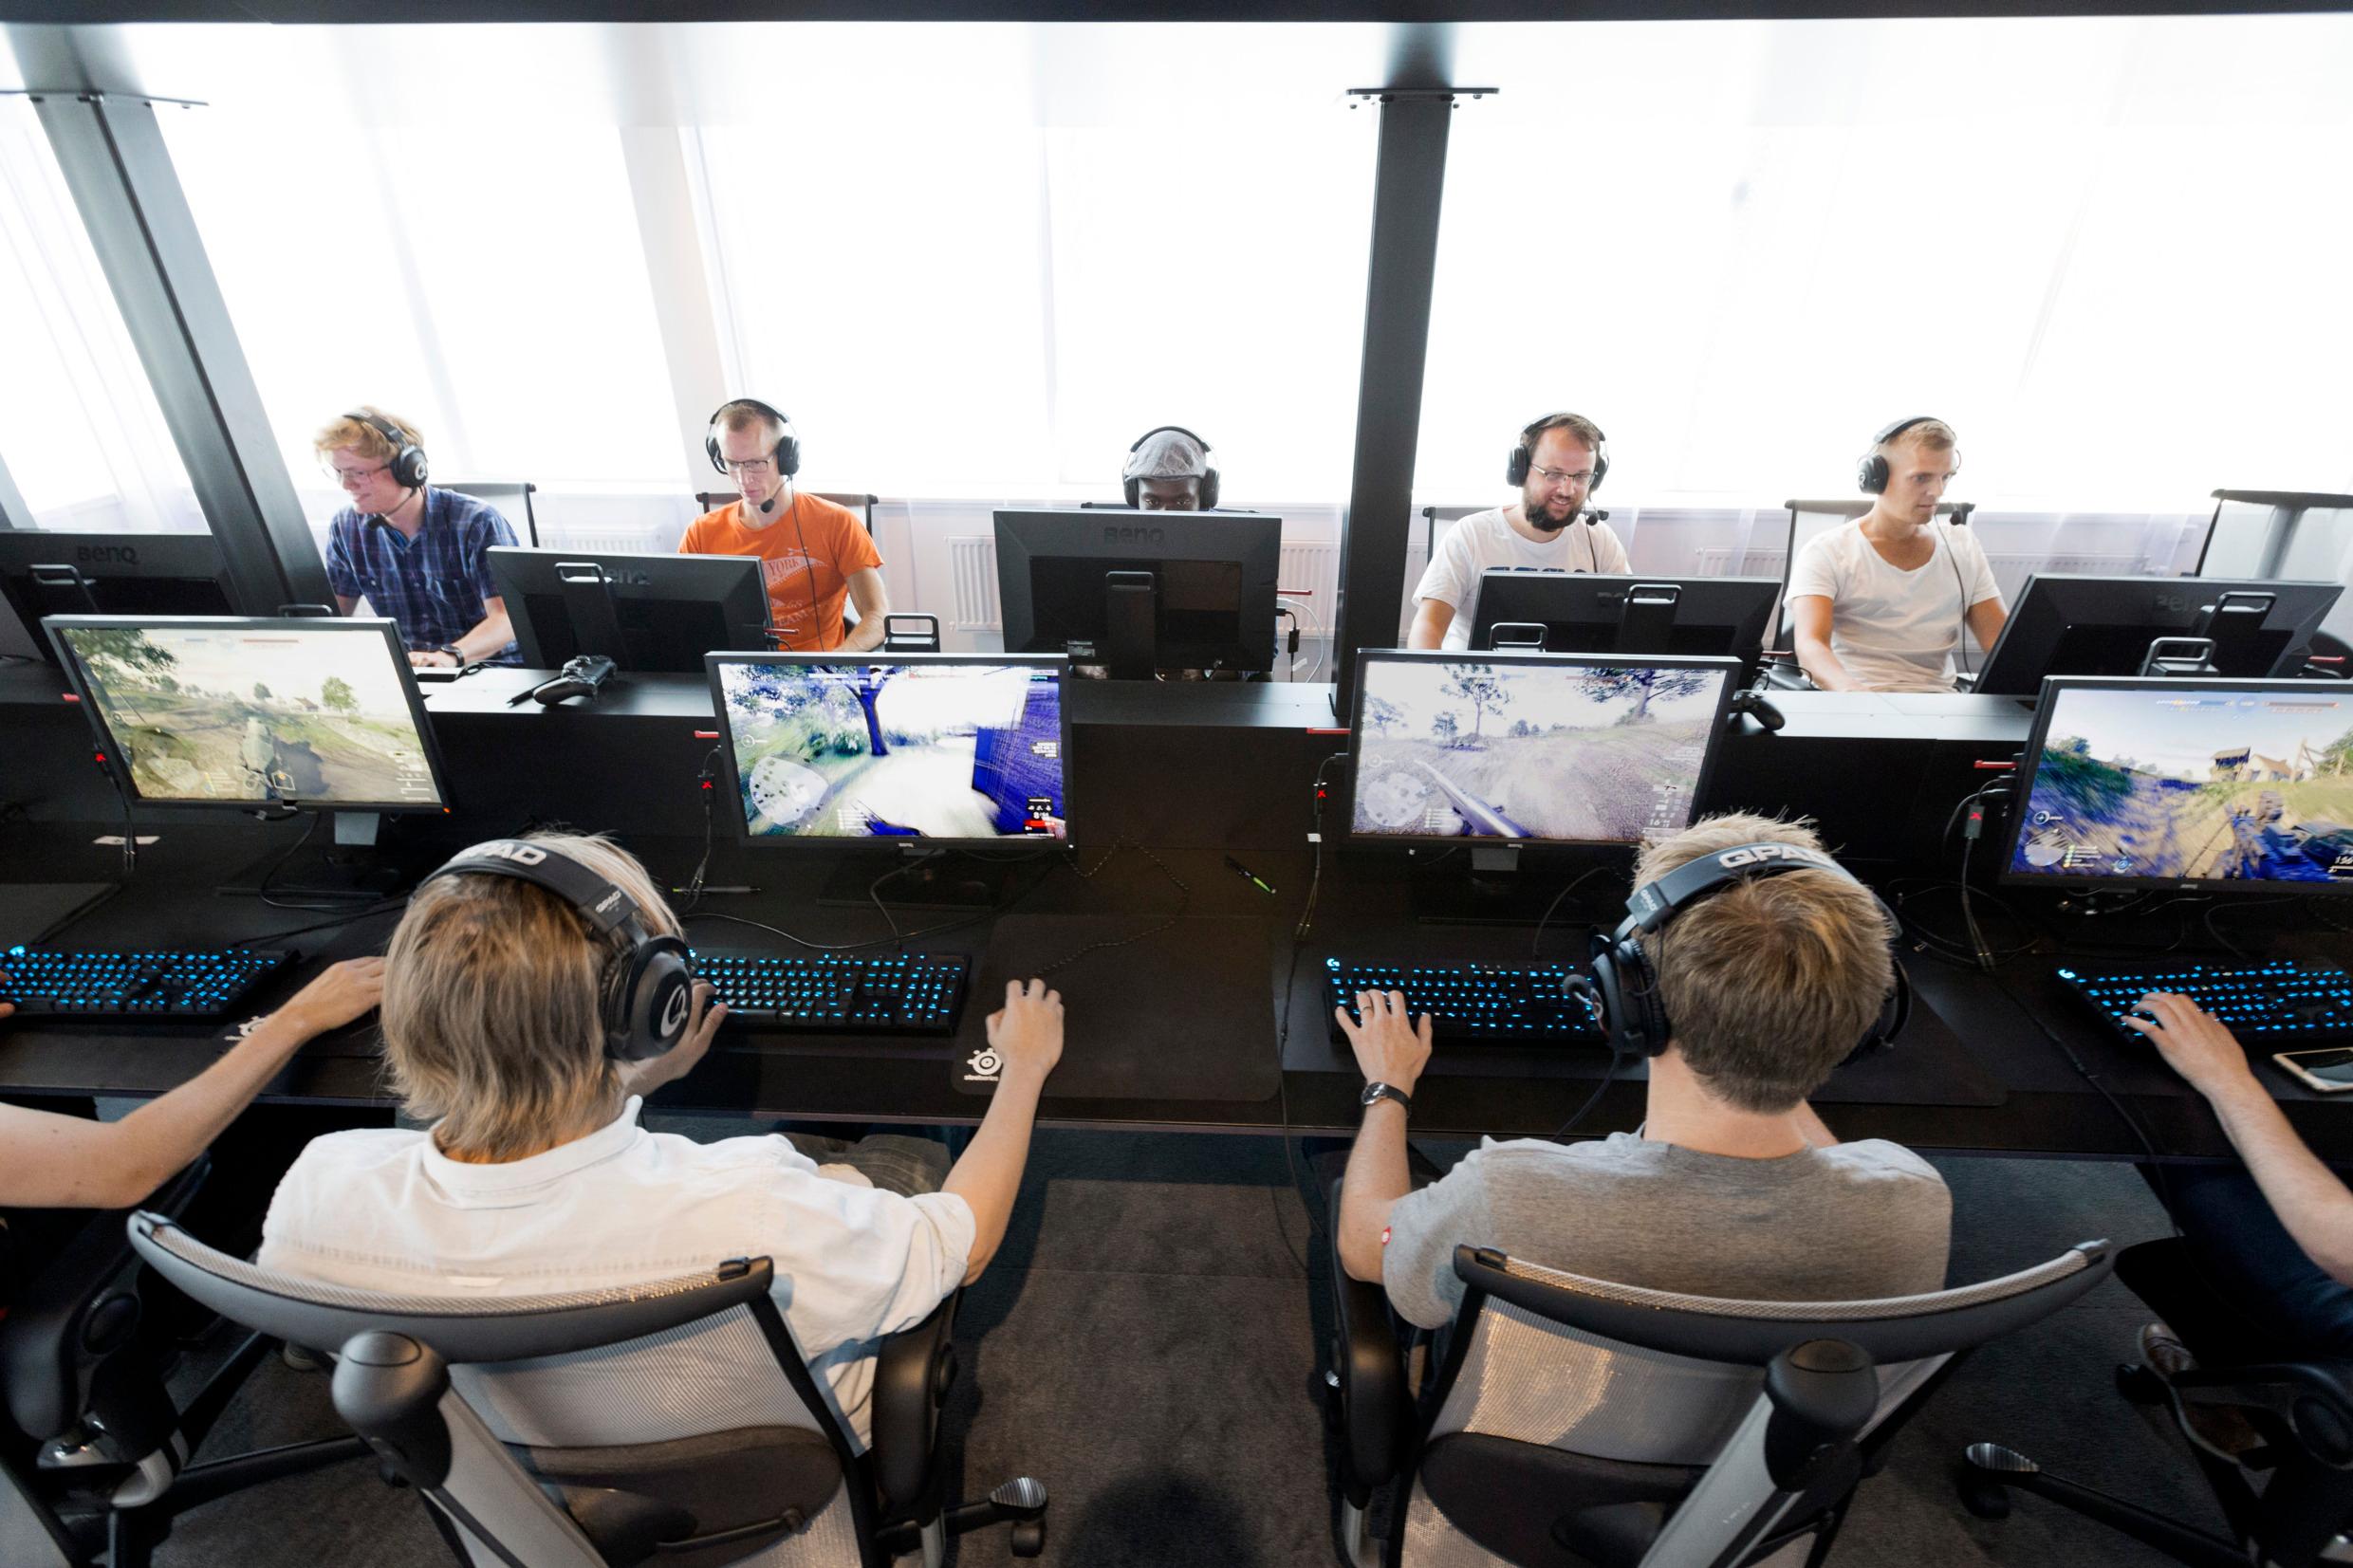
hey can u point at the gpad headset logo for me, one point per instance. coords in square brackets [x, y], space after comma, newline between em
[1733, 859]
[522, 855]
[1115, 535]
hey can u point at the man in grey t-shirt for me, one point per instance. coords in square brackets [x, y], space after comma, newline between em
[1732, 1186]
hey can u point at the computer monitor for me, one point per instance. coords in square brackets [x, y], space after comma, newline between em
[2068, 625]
[321, 714]
[2188, 784]
[944, 748]
[645, 613]
[1141, 591]
[2308, 537]
[1531, 749]
[1585, 612]
[47, 573]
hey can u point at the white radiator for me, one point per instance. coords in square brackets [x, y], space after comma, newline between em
[973, 574]
[2012, 571]
[1311, 569]
[634, 540]
[1736, 561]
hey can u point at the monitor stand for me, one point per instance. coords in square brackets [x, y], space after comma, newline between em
[1494, 890]
[1131, 605]
[1646, 621]
[355, 863]
[927, 878]
[588, 604]
[2234, 624]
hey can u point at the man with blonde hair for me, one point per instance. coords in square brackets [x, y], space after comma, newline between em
[813, 555]
[499, 1005]
[416, 553]
[1731, 1187]
[1883, 603]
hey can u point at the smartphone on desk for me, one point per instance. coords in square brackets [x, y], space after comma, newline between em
[2328, 1070]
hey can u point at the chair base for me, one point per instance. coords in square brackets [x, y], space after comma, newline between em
[1990, 1472]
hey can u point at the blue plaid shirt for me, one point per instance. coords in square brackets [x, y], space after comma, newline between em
[432, 587]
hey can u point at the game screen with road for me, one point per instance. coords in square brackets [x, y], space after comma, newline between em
[894, 750]
[1574, 753]
[246, 715]
[2197, 785]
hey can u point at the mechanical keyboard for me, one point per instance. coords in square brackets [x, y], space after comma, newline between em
[1476, 1004]
[162, 985]
[2278, 1001]
[904, 994]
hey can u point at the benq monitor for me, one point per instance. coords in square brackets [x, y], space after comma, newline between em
[953, 748]
[1531, 749]
[254, 714]
[2188, 784]
[2068, 625]
[44, 572]
[645, 613]
[1588, 613]
[1141, 591]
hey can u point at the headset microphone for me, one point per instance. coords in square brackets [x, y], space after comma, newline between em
[770, 505]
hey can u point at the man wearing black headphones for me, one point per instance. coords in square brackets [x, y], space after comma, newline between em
[1558, 463]
[1168, 470]
[813, 554]
[1745, 991]
[1884, 602]
[413, 552]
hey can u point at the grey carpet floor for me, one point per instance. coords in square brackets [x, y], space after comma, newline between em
[1146, 1344]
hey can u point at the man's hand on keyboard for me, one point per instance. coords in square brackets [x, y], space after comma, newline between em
[2202, 1051]
[1388, 1048]
[343, 992]
[1027, 1031]
[644, 1078]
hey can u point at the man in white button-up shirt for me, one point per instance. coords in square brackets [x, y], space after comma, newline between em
[535, 1176]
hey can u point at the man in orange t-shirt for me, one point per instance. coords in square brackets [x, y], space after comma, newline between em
[813, 554]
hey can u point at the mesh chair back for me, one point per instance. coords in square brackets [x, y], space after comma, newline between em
[1810, 519]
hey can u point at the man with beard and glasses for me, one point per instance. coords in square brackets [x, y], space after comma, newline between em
[1558, 463]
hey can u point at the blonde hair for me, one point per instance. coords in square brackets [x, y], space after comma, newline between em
[745, 416]
[1769, 982]
[493, 1004]
[1929, 435]
[361, 437]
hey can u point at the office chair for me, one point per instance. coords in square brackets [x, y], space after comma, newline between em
[503, 494]
[2301, 1409]
[1569, 1423]
[1809, 520]
[672, 1423]
[94, 1457]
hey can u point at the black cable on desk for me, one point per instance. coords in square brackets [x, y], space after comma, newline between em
[384, 907]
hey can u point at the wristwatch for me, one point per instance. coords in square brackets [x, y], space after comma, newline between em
[1376, 1091]
[452, 650]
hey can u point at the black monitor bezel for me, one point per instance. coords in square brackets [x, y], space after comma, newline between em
[396, 652]
[2030, 759]
[1367, 657]
[1186, 536]
[2207, 588]
[511, 564]
[712, 664]
[1600, 584]
[185, 558]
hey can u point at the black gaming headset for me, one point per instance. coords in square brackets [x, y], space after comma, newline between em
[1135, 488]
[788, 449]
[1623, 990]
[649, 985]
[1525, 453]
[408, 459]
[1871, 471]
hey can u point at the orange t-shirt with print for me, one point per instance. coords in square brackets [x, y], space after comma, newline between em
[806, 557]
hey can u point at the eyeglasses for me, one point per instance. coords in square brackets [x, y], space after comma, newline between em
[352, 476]
[747, 466]
[1562, 476]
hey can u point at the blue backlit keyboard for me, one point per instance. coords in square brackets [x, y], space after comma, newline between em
[2280, 1001]
[161, 987]
[904, 994]
[1475, 1004]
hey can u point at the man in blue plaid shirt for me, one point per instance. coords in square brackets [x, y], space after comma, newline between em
[413, 552]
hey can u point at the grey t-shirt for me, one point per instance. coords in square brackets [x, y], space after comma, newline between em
[1852, 1222]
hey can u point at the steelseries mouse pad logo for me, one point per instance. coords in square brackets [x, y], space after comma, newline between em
[983, 1065]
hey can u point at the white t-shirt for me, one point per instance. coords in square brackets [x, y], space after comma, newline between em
[1484, 541]
[384, 1210]
[1894, 630]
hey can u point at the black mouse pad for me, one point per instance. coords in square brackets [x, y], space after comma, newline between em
[30, 911]
[1186, 1014]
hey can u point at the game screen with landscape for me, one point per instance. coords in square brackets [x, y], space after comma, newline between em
[1577, 753]
[2198, 786]
[894, 750]
[252, 715]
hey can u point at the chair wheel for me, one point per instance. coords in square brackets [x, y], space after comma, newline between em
[2139, 1385]
[1029, 1537]
[1982, 1496]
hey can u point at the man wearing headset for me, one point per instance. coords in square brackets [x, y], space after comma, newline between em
[415, 552]
[1882, 603]
[534, 990]
[1731, 1187]
[1168, 470]
[813, 554]
[1558, 463]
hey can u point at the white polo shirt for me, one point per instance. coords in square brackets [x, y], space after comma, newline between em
[384, 1210]
[1894, 630]
[1485, 540]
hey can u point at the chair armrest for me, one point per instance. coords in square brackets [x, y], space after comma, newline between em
[2310, 1400]
[1784, 674]
[1374, 1407]
[913, 1373]
[55, 1335]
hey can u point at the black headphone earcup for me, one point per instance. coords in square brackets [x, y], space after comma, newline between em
[1601, 470]
[409, 468]
[1209, 491]
[788, 453]
[651, 1001]
[1515, 473]
[1871, 474]
[711, 446]
[1626, 992]
[1134, 490]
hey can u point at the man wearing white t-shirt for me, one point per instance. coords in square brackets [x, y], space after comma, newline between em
[1880, 604]
[1559, 462]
